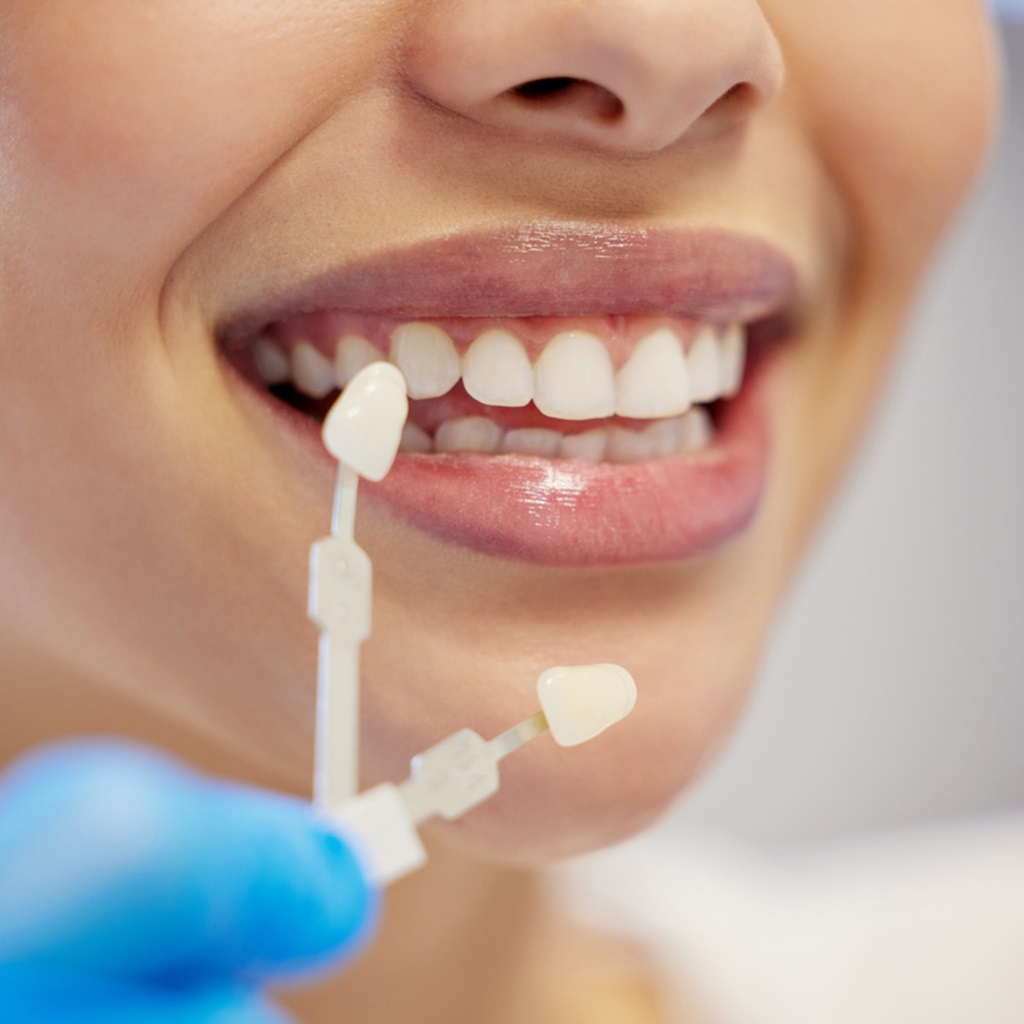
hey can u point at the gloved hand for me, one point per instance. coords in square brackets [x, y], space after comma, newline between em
[133, 890]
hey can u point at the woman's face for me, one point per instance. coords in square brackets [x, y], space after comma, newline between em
[179, 179]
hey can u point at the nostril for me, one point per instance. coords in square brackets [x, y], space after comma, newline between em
[587, 98]
[541, 88]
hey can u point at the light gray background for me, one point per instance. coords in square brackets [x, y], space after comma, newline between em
[894, 692]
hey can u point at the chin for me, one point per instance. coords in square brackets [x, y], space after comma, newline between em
[557, 802]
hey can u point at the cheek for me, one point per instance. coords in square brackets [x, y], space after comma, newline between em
[129, 127]
[900, 101]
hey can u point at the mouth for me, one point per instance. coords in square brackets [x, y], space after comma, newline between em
[577, 396]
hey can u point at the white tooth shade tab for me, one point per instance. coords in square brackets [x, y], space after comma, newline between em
[468, 434]
[363, 429]
[353, 354]
[312, 371]
[733, 347]
[427, 358]
[581, 701]
[271, 363]
[655, 380]
[705, 367]
[573, 378]
[497, 371]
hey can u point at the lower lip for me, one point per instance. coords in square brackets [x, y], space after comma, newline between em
[558, 512]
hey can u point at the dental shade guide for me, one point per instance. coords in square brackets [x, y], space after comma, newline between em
[363, 431]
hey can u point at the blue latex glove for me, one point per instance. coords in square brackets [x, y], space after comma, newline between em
[133, 890]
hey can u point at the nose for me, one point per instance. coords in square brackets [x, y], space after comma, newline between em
[633, 76]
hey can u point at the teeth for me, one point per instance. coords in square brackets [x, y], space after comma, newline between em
[653, 442]
[271, 363]
[689, 433]
[589, 446]
[469, 434]
[573, 378]
[415, 440]
[664, 437]
[696, 430]
[655, 380]
[705, 367]
[427, 358]
[496, 370]
[312, 373]
[352, 355]
[734, 356]
[533, 441]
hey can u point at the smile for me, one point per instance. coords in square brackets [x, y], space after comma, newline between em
[560, 435]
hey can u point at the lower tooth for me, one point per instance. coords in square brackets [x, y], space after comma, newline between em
[663, 437]
[471, 434]
[626, 445]
[589, 446]
[533, 441]
[696, 431]
[415, 440]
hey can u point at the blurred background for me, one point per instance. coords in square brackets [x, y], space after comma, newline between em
[894, 692]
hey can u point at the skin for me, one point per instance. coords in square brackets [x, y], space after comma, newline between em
[162, 164]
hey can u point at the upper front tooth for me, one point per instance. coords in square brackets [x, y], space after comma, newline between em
[352, 355]
[496, 370]
[271, 363]
[427, 358]
[655, 380]
[573, 378]
[705, 367]
[734, 356]
[312, 371]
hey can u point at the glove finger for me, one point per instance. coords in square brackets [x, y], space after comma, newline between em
[117, 859]
[39, 996]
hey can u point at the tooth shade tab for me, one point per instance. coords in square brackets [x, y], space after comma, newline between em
[573, 378]
[497, 371]
[427, 357]
[364, 427]
[581, 701]
[655, 380]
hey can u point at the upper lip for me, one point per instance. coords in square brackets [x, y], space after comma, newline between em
[549, 269]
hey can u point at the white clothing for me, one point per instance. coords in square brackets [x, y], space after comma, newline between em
[915, 929]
